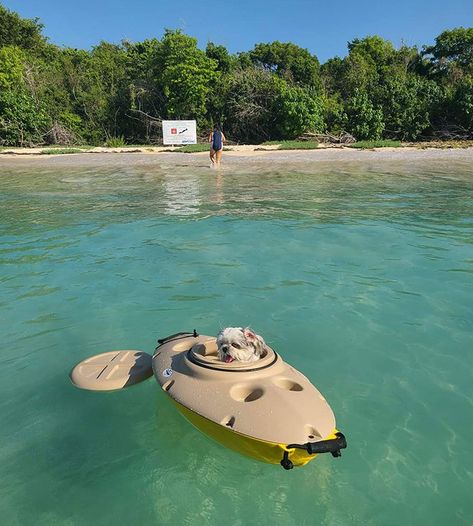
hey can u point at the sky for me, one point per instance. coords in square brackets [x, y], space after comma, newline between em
[322, 26]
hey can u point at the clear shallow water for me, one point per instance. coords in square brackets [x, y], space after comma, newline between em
[361, 275]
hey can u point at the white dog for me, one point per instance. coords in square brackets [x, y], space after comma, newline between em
[237, 343]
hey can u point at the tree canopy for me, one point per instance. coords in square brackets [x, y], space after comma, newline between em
[17, 31]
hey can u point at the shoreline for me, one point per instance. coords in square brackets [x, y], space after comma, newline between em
[239, 149]
[237, 156]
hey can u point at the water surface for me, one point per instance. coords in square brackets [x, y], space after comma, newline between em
[360, 275]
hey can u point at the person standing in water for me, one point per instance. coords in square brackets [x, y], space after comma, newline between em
[216, 139]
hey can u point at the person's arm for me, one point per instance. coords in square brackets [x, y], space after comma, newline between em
[223, 138]
[211, 136]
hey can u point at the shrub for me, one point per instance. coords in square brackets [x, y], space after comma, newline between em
[376, 144]
[115, 142]
[297, 112]
[58, 151]
[194, 148]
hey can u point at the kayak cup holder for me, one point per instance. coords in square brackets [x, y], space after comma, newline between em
[288, 385]
[246, 393]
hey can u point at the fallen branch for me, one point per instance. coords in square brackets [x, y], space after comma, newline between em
[342, 138]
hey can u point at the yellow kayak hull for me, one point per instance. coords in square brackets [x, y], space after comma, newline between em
[269, 452]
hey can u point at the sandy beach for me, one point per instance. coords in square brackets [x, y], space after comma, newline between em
[238, 155]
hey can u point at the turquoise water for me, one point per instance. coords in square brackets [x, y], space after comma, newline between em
[360, 275]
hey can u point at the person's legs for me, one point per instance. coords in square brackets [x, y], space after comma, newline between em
[218, 156]
[212, 155]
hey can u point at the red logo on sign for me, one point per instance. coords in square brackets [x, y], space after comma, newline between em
[173, 131]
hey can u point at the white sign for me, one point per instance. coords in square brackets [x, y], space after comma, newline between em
[179, 132]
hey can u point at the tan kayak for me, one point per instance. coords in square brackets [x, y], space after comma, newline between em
[265, 409]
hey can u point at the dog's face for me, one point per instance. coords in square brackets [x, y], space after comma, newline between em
[237, 343]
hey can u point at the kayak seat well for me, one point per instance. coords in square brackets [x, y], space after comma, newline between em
[207, 349]
[206, 354]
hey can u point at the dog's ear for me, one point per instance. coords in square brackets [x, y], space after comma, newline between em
[249, 334]
[260, 346]
[255, 340]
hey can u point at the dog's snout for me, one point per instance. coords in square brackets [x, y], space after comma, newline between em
[224, 348]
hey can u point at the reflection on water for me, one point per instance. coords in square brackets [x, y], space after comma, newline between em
[181, 195]
[359, 274]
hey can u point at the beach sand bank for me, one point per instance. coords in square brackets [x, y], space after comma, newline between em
[238, 156]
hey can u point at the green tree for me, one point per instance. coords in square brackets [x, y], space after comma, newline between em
[460, 109]
[334, 116]
[186, 75]
[249, 104]
[289, 61]
[370, 61]
[374, 49]
[12, 60]
[453, 50]
[101, 99]
[261, 106]
[23, 121]
[171, 78]
[365, 121]
[332, 74]
[361, 70]
[146, 100]
[225, 61]
[21, 32]
[407, 102]
[297, 112]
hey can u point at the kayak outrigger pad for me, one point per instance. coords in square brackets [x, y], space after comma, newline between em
[332, 445]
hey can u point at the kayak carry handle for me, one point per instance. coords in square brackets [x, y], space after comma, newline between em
[332, 445]
[328, 446]
[177, 336]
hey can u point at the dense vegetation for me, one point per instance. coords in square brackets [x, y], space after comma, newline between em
[119, 93]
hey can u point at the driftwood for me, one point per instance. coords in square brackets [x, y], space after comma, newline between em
[452, 132]
[342, 138]
[59, 134]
